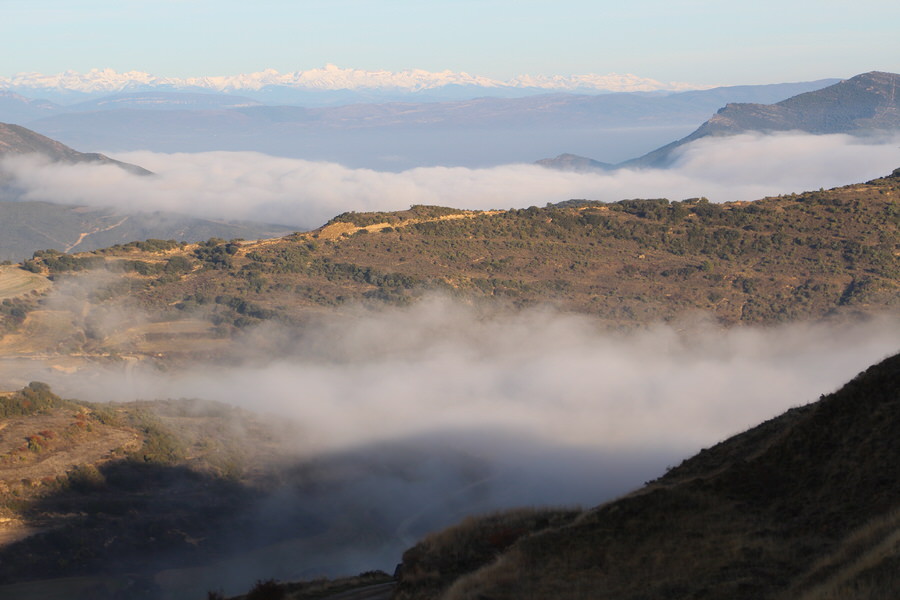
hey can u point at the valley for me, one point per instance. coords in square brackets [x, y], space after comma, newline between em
[646, 397]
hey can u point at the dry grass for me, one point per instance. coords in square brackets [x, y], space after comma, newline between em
[16, 282]
[866, 565]
[433, 564]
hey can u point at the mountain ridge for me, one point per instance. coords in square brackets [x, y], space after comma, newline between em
[862, 104]
[865, 104]
[802, 257]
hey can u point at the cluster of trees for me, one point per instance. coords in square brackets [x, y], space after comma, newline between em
[150, 245]
[35, 398]
[216, 253]
[13, 312]
[60, 262]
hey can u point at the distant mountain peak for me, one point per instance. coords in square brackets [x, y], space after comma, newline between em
[868, 102]
[330, 77]
[573, 162]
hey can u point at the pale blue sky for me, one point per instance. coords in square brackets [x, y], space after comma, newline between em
[697, 41]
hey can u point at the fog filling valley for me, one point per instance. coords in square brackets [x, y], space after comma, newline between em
[408, 419]
[305, 194]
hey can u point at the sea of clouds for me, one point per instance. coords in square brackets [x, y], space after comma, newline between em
[305, 194]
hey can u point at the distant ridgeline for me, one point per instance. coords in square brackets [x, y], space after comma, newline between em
[865, 104]
[17, 140]
[27, 226]
[791, 257]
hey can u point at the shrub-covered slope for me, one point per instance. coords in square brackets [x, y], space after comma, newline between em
[792, 257]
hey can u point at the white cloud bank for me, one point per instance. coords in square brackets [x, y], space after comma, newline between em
[443, 366]
[246, 185]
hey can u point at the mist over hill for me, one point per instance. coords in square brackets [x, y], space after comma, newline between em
[17, 141]
[389, 372]
[29, 225]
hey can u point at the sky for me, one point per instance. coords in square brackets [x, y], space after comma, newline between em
[697, 41]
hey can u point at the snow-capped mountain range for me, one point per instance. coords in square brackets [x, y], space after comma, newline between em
[329, 78]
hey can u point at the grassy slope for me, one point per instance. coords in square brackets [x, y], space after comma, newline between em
[806, 505]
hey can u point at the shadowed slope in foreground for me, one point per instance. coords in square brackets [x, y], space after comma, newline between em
[804, 506]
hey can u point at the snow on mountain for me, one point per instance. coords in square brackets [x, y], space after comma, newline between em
[614, 82]
[330, 77]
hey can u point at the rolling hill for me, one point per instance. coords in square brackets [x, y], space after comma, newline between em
[30, 226]
[27, 225]
[17, 140]
[818, 255]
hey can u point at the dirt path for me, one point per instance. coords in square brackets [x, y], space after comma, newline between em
[81, 236]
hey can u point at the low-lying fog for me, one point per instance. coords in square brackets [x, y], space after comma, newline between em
[418, 416]
[441, 365]
[251, 186]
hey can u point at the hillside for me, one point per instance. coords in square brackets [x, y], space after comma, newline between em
[863, 104]
[168, 499]
[101, 490]
[17, 140]
[15, 108]
[804, 506]
[793, 257]
[29, 226]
